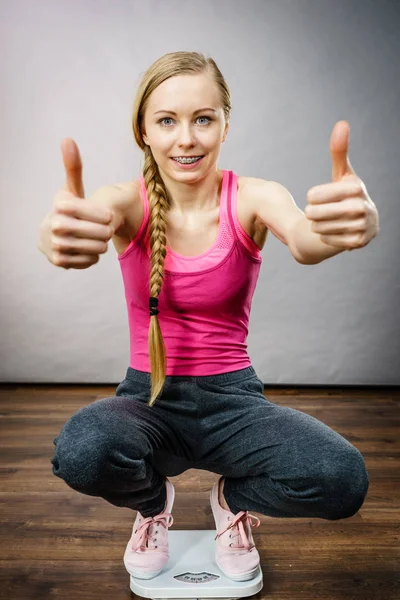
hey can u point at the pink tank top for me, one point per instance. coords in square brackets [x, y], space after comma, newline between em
[205, 300]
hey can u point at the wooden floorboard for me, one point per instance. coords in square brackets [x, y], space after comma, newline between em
[59, 544]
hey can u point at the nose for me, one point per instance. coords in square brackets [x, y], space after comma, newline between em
[186, 137]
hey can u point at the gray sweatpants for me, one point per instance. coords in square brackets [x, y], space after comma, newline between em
[276, 460]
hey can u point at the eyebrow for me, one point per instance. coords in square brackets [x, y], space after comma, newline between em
[171, 112]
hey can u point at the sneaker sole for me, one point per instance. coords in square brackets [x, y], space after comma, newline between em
[141, 575]
[241, 576]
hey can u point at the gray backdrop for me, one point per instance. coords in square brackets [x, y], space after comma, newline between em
[70, 69]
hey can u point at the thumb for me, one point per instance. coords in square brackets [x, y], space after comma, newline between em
[73, 168]
[339, 147]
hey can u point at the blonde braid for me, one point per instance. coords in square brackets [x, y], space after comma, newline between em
[159, 207]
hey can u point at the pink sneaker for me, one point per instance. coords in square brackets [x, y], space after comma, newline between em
[236, 554]
[147, 551]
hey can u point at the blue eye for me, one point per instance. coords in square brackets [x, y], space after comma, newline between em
[164, 119]
[170, 119]
[204, 117]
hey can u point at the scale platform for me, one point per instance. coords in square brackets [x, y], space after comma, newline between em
[192, 572]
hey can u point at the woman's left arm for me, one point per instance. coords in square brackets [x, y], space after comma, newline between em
[339, 215]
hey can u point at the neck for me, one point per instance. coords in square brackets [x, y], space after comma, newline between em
[189, 198]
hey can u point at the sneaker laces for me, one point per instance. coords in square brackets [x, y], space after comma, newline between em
[146, 531]
[238, 524]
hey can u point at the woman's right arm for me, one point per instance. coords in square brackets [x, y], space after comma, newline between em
[77, 230]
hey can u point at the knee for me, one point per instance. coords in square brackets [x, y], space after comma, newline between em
[79, 453]
[346, 486]
[98, 449]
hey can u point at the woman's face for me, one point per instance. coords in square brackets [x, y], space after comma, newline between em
[196, 129]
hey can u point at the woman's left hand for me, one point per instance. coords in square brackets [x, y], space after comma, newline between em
[342, 211]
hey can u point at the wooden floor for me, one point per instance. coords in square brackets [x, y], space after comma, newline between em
[57, 543]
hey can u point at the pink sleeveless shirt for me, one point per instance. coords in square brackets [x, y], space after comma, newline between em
[205, 300]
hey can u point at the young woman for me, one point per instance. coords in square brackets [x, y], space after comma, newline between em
[189, 238]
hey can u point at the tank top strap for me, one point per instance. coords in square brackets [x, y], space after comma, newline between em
[235, 227]
[146, 209]
[230, 200]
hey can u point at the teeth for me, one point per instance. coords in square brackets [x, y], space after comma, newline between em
[187, 160]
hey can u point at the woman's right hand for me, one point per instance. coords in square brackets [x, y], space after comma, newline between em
[77, 230]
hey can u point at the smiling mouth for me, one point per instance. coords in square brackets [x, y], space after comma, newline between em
[187, 159]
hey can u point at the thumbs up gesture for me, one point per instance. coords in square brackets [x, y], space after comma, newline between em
[77, 230]
[342, 211]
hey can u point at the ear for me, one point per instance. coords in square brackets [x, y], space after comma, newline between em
[225, 132]
[143, 132]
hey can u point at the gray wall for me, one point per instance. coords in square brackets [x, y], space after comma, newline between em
[70, 69]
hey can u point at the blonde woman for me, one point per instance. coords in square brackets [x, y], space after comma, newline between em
[189, 238]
